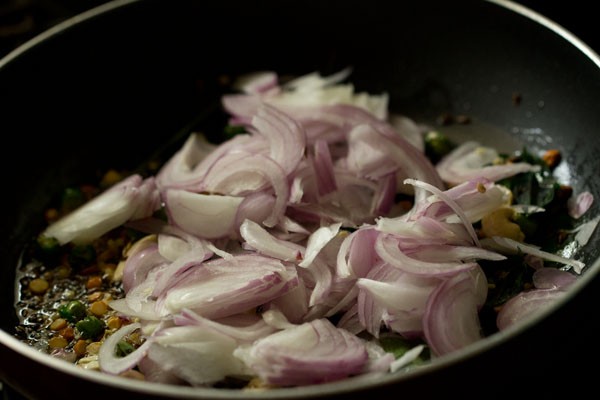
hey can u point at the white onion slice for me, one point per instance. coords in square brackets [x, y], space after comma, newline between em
[510, 246]
[184, 170]
[257, 82]
[132, 198]
[195, 354]
[204, 215]
[317, 241]
[146, 311]
[261, 240]
[471, 161]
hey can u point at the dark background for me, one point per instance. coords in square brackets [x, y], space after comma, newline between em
[20, 20]
[577, 16]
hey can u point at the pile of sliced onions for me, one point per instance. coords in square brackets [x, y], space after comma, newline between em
[297, 219]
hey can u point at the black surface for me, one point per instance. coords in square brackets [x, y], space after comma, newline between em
[575, 16]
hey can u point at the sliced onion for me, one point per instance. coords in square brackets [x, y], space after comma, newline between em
[443, 253]
[579, 205]
[317, 241]
[451, 321]
[250, 330]
[184, 169]
[293, 305]
[285, 135]
[357, 255]
[450, 202]
[139, 264]
[322, 276]
[366, 159]
[310, 353]
[257, 82]
[132, 198]
[323, 167]
[216, 289]
[172, 272]
[552, 278]
[195, 354]
[261, 240]
[246, 173]
[146, 311]
[409, 159]
[387, 248]
[471, 161]
[255, 228]
[525, 305]
[109, 362]
[475, 198]
[585, 231]
[207, 216]
[510, 246]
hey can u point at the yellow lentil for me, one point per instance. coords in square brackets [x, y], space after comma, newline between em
[39, 286]
[58, 324]
[93, 282]
[80, 347]
[58, 342]
[98, 308]
[114, 322]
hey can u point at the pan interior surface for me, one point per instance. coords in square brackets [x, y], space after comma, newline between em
[99, 92]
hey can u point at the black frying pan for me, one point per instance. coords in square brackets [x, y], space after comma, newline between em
[108, 90]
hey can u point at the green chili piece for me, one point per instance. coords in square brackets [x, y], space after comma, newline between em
[124, 348]
[90, 327]
[232, 130]
[48, 248]
[437, 145]
[73, 311]
[398, 346]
